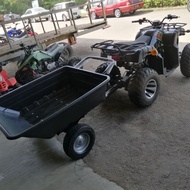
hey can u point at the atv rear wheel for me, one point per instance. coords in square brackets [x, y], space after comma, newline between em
[67, 52]
[185, 61]
[143, 87]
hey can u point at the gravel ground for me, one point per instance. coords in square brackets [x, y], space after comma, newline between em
[144, 148]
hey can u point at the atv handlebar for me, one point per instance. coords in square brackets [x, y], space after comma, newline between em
[156, 22]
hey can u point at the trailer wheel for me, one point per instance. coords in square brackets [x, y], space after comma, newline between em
[143, 87]
[185, 61]
[78, 141]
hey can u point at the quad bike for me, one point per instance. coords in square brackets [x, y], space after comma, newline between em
[34, 64]
[15, 35]
[6, 83]
[154, 52]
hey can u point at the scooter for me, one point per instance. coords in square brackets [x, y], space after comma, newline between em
[35, 63]
[6, 83]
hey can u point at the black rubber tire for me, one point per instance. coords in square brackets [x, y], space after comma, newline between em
[93, 15]
[117, 13]
[132, 12]
[77, 134]
[33, 20]
[67, 52]
[188, 5]
[143, 87]
[74, 60]
[185, 61]
[115, 73]
[24, 76]
[64, 18]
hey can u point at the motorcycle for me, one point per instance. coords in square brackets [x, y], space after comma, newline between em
[6, 83]
[155, 51]
[36, 63]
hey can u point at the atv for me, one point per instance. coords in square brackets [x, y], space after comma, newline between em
[155, 51]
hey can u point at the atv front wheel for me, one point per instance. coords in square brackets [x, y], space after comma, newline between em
[78, 141]
[185, 61]
[143, 87]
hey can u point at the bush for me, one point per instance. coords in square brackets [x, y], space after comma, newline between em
[163, 3]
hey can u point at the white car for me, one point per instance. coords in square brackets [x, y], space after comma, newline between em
[36, 11]
[64, 15]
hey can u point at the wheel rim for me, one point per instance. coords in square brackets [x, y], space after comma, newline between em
[151, 89]
[81, 143]
[93, 15]
[117, 13]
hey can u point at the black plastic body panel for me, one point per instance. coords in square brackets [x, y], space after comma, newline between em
[50, 104]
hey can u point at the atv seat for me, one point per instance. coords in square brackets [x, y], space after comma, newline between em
[50, 50]
[144, 40]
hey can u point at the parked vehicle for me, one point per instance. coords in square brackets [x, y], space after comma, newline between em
[13, 31]
[35, 63]
[54, 104]
[154, 52]
[16, 35]
[64, 14]
[11, 16]
[6, 83]
[188, 5]
[116, 8]
[36, 11]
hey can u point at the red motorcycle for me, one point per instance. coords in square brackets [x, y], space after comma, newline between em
[6, 83]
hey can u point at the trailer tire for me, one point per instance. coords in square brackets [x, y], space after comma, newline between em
[185, 61]
[78, 141]
[143, 87]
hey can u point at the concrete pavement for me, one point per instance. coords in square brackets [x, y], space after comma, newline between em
[42, 164]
